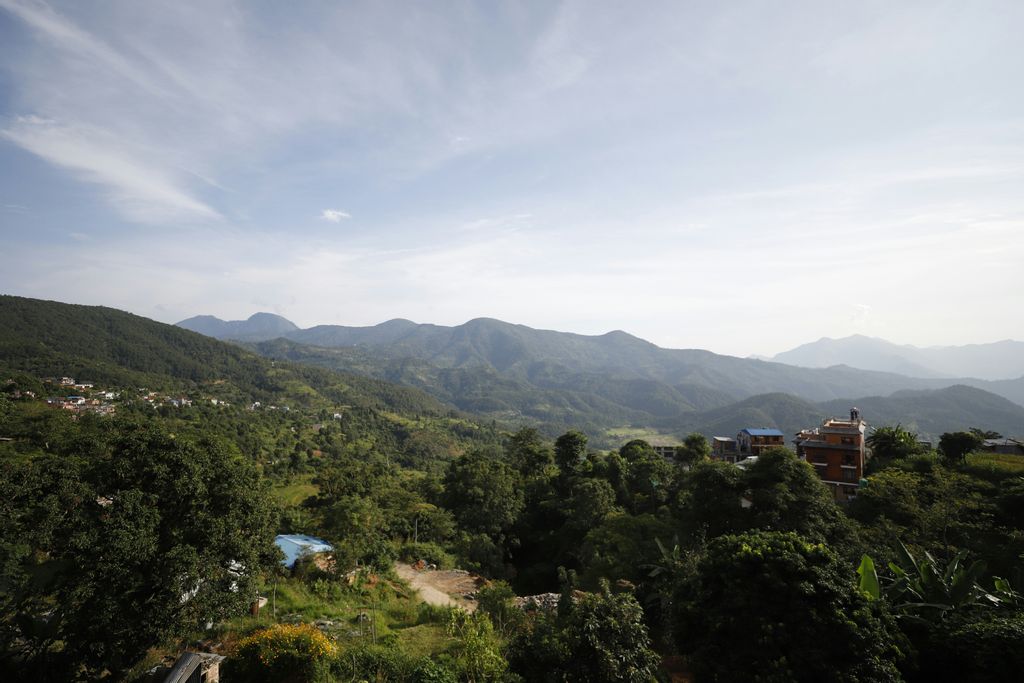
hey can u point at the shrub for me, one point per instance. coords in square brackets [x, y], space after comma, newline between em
[497, 601]
[287, 653]
[983, 645]
[431, 553]
[375, 663]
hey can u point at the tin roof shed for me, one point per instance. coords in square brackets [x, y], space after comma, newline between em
[295, 546]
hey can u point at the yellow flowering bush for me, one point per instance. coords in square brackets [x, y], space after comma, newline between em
[293, 653]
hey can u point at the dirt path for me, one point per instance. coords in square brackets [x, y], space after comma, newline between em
[441, 587]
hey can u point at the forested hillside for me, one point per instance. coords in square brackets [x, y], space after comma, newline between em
[132, 533]
[111, 347]
[554, 400]
[533, 355]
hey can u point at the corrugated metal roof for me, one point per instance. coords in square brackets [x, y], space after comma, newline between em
[763, 432]
[184, 668]
[1002, 442]
[191, 666]
[295, 546]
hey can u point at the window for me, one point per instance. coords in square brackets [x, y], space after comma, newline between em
[847, 440]
[849, 475]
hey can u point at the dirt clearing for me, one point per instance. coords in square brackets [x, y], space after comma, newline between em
[442, 586]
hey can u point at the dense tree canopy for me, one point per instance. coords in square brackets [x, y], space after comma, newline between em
[596, 637]
[956, 445]
[778, 492]
[695, 449]
[783, 607]
[107, 556]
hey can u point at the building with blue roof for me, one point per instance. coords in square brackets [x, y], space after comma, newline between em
[752, 441]
[296, 546]
[749, 442]
[762, 432]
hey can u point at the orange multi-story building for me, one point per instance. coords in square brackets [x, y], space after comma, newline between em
[838, 453]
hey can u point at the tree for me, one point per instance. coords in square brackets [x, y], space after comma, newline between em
[775, 604]
[598, 637]
[695, 449]
[709, 501]
[621, 546]
[955, 446]
[935, 508]
[591, 501]
[648, 481]
[146, 542]
[570, 449]
[497, 601]
[985, 433]
[981, 645]
[635, 450]
[477, 651]
[527, 453]
[960, 630]
[786, 494]
[483, 493]
[778, 492]
[893, 442]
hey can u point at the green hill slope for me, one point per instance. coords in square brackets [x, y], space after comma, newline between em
[932, 412]
[111, 347]
[927, 412]
[532, 355]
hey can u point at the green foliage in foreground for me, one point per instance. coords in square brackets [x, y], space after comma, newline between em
[597, 637]
[123, 542]
[983, 645]
[467, 650]
[775, 604]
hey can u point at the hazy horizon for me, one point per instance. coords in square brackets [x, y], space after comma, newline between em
[743, 178]
[513, 322]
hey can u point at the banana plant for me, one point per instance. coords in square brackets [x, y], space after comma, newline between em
[927, 589]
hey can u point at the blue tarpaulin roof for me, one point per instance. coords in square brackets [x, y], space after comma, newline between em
[764, 432]
[295, 546]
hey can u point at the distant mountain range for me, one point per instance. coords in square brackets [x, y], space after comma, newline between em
[513, 372]
[259, 327]
[509, 373]
[995, 361]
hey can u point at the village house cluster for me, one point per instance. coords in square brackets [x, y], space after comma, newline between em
[88, 398]
[836, 449]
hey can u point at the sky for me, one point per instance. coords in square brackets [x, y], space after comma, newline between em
[742, 177]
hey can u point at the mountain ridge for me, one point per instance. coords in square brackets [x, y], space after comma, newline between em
[52, 339]
[992, 361]
[541, 357]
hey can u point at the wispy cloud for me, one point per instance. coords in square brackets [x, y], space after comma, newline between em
[690, 171]
[334, 215]
[142, 192]
[66, 36]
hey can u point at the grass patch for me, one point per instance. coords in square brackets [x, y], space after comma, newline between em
[296, 490]
[629, 433]
[423, 640]
[1011, 463]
